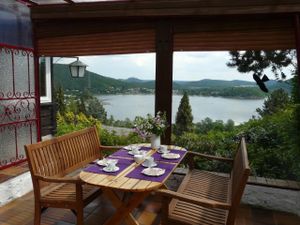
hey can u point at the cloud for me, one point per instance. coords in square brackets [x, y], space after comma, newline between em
[122, 66]
[204, 65]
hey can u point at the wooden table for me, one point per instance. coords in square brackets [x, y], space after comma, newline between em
[139, 189]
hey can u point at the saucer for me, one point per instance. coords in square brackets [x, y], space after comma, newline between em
[129, 147]
[161, 152]
[153, 172]
[106, 169]
[144, 164]
[105, 161]
[102, 162]
[138, 153]
[170, 156]
[134, 153]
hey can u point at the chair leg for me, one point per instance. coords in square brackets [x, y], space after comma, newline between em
[79, 216]
[37, 214]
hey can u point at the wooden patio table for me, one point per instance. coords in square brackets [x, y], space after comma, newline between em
[130, 179]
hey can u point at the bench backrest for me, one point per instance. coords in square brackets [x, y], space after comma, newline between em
[62, 155]
[239, 177]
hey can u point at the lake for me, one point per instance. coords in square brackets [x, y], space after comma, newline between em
[217, 108]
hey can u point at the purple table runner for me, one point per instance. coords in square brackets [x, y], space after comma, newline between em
[95, 168]
[137, 172]
[124, 153]
[157, 156]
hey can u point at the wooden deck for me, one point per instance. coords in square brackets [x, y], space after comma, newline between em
[20, 212]
[16, 170]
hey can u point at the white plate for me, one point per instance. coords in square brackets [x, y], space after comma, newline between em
[153, 172]
[170, 156]
[106, 169]
[144, 164]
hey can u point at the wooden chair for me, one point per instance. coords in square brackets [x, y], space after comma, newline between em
[51, 163]
[205, 197]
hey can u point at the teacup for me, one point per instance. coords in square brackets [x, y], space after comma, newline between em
[163, 149]
[138, 158]
[135, 150]
[111, 164]
[149, 161]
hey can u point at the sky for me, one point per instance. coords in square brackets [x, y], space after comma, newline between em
[188, 66]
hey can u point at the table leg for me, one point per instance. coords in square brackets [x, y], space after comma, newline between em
[123, 211]
[164, 186]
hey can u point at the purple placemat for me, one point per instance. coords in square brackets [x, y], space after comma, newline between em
[157, 156]
[137, 172]
[122, 164]
[124, 153]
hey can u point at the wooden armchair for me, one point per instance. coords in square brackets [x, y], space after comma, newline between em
[51, 163]
[205, 197]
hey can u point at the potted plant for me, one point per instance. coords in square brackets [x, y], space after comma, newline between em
[151, 127]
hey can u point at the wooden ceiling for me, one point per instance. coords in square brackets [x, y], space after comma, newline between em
[70, 9]
[48, 2]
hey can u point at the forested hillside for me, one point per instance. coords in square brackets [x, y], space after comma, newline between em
[99, 84]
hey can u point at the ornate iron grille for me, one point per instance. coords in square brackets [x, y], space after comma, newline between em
[18, 111]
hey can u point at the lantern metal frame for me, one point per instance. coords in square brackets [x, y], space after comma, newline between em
[77, 68]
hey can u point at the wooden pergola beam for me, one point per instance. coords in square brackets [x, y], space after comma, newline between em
[297, 35]
[162, 8]
[164, 75]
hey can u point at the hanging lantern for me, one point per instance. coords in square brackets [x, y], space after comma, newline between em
[77, 68]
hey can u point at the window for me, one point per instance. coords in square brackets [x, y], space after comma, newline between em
[45, 79]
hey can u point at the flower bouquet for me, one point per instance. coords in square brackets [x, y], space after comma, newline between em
[152, 127]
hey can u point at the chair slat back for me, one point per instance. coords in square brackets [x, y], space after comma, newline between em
[239, 177]
[61, 155]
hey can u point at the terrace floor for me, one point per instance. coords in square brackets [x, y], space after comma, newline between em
[21, 212]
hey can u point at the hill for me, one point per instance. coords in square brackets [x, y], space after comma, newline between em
[99, 84]
[95, 82]
[207, 83]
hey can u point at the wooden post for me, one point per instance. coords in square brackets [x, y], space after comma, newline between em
[297, 34]
[164, 74]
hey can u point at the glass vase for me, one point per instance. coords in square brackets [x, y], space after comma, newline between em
[155, 141]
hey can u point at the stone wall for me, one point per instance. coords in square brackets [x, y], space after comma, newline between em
[272, 198]
[15, 188]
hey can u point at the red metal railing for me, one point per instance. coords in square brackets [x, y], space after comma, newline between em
[18, 109]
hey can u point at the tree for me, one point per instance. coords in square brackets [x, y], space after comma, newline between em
[229, 126]
[258, 61]
[81, 106]
[278, 100]
[95, 109]
[59, 98]
[184, 117]
[92, 106]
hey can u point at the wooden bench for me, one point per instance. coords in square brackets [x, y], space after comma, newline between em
[51, 163]
[206, 197]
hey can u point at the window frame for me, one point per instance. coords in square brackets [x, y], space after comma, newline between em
[48, 84]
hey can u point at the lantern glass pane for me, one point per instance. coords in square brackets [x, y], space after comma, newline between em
[74, 71]
[81, 71]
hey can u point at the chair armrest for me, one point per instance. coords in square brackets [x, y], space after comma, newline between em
[69, 180]
[198, 201]
[210, 157]
[110, 148]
